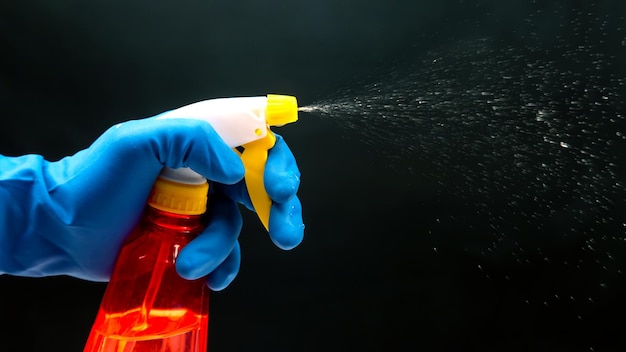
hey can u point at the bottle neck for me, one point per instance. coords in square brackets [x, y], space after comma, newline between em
[173, 221]
[179, 194]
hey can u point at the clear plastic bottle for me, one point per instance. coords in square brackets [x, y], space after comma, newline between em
[147, 306]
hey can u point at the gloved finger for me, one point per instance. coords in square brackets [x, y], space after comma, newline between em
[286, 228]
[192, 143]
[207, 251]
[206, 152]
[282, 176]
[225, 273]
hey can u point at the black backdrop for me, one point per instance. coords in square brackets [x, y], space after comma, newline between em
[366, 276]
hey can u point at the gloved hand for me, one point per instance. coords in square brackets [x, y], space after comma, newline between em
[72, 216]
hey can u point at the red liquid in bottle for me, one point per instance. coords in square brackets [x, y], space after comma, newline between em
[147, 306]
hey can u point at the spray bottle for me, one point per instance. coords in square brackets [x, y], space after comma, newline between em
[146, 305]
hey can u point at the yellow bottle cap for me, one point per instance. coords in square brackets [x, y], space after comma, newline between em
[281, 109]
[179, 198]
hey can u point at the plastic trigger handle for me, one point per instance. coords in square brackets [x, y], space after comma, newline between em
[279, 110]
[254, 157]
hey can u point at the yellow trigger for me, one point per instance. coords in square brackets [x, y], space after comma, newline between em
[280, 110]
[254, 157]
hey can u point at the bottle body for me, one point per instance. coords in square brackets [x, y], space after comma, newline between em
[147, 306]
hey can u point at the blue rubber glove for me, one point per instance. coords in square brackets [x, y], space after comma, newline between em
[71, 217]
[282, 179]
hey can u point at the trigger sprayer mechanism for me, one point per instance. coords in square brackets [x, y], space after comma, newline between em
[242, 122]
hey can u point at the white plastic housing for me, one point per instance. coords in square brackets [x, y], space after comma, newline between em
[237, 120]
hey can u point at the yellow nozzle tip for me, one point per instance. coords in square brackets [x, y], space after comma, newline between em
[281, 109]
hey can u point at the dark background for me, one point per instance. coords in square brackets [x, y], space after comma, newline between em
[367, 276]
